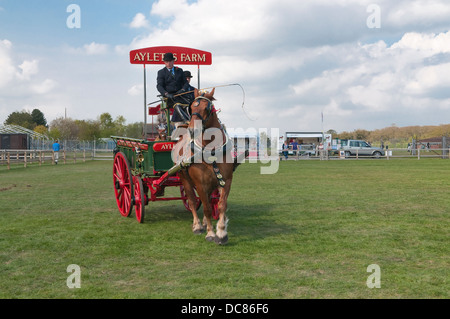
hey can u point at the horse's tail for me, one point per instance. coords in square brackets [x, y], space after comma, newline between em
[239, 159]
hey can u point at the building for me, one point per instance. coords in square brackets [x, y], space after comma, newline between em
[430, 143]
[439, 145]
[15, 137]
[309, 138]
[14, 141]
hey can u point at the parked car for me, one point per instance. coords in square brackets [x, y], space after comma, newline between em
[360, 148]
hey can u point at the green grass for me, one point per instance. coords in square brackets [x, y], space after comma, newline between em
[309, 231]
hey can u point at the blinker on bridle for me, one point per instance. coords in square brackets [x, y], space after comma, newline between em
[209, 109]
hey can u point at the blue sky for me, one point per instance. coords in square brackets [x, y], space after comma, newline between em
[295, 59]
[104, 21]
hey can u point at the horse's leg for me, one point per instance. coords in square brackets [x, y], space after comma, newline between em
[192, 201]
[207, 213]
[221, 232]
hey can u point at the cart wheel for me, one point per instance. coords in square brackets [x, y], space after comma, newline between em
[185, 201]
[215, 204]
[123, 186]
[139, 198]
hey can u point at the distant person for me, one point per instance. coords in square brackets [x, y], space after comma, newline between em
[188, 88]
[56, 147]
[285, 149]
[188, 96]
[294, 146]
[162, 134]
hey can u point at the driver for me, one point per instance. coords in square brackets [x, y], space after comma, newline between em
[170, 82]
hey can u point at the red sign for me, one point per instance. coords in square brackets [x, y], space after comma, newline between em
[163, 147]
[155, 55]
[156, 110]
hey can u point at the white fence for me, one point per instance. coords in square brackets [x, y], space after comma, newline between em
[393, 153]
[40, 157]
[27, 157]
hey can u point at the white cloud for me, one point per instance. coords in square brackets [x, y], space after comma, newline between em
[382, 81]
[426, 44]
[92, 48]
[21, 84]
[136, 90]
[28, 68]
[430, 78]
[139, 21]
[6, 64]
[417, 12]
[44, 87]
[95, 48]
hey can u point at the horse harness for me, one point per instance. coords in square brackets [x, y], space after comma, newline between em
[196, 147]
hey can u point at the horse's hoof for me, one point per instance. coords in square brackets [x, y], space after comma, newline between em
[198, 231]
[221, 241]
[210, 238]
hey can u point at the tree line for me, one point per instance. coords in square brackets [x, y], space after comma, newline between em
[395, 136]
[105, 126]
[69, 129]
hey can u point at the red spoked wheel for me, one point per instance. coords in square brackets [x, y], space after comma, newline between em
[185, 201]
[139, 198]
[215, 204]
[123, 186]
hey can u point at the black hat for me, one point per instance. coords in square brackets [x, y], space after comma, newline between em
[168, 57]
[187, 74]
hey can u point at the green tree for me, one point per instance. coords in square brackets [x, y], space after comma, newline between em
[332, 132]
[88, 130]
[134, 130]
[119, 125]
[38, 118]
[106, 125]
[361, 134]
[41, 129]
[22, 118]
[64, 128]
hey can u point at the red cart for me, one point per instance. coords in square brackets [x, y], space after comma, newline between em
[143, 168]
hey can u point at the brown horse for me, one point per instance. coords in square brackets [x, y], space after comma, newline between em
[211, 172]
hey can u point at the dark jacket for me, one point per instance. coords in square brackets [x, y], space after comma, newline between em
[189, 97]
[166, 82]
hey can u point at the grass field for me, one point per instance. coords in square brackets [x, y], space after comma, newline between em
[310, 231]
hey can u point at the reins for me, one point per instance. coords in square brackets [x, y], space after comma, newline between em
[218, 86]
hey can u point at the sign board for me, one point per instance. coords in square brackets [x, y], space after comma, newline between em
[156, 110]
[304, 135]
[155, 55]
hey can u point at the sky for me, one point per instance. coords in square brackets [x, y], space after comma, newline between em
[308, 65]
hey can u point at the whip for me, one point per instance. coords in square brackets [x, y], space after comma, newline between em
[218, 86]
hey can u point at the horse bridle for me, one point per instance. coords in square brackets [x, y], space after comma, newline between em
[209, 109]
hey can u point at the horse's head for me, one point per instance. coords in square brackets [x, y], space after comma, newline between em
[203, 107]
